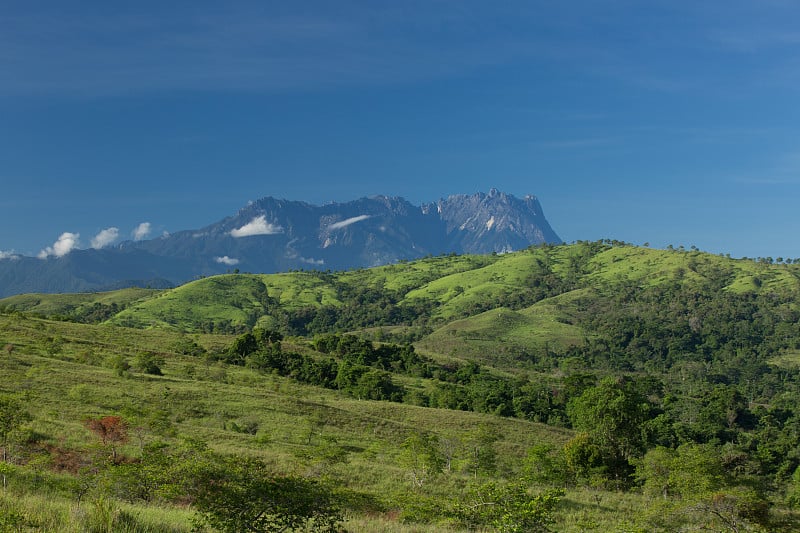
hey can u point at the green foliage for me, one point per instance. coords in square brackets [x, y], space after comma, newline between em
[610, 416]
[481, 453]
[689, 471]
[422, 457]
[245, 495]
[677, 365]
[149, 363]
[12, 416]
[119, 363]
[243, 346]
[543, 465]
[793, 490]
[165, 473]
[509, 508]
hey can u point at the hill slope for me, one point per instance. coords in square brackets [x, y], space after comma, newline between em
[668, 382]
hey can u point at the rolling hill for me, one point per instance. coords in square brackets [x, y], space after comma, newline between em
[602, 374]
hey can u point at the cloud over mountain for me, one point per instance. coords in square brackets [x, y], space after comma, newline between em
[225, 260]
[347, 222]
[105, 237]
[64, 245]
[257, 226]
[141, 231]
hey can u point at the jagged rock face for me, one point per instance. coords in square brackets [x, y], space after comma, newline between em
[496, 222]
[272, 235]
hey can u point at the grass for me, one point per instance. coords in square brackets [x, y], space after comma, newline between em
[506, 339]
[65, 304]
[65, 374]
[63, 389]
[789, 359]
[49, 512]
[455, 287]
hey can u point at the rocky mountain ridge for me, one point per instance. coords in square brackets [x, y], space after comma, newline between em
[274, 235]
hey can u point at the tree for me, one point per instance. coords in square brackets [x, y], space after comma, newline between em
[481, 455]
[12, 416]
[243, 346]
[422, 457]
[509, 508]
[164, 472]
[542, 465]
[610, 417]
[119, 364]
[112, 431]
[243, 494]
[149, 363]
[267, 337]
[691, 470]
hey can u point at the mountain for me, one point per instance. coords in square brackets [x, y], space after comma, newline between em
[272, 235]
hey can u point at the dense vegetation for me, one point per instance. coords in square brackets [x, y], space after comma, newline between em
[558, 387]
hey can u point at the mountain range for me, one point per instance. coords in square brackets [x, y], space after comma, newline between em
[275, 235]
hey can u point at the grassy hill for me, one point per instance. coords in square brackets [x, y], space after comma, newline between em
[77, 306]
[236, 411]
[511, 354]
[536, 296]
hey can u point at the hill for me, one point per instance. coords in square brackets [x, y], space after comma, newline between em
[645, 390]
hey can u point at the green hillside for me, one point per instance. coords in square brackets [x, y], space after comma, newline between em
[539, 290]
[82, 307]
[585, 387]
[294, 427]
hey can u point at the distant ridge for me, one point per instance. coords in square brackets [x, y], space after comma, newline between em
[275, 235]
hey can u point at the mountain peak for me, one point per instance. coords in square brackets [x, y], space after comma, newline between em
[273, 235]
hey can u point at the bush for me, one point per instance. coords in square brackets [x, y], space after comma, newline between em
[243, 494]
[149, 363]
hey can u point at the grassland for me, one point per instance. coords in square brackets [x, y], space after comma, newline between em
[199, 400]
[507, 312]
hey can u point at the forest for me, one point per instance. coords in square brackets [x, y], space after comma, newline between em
[581, 387]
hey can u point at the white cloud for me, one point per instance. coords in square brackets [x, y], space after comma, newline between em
[64, 245]
[105, 237]
[347, 222]
[141, 231]
[257, 226]
[8, 255]
[311, 261]
[225, 260]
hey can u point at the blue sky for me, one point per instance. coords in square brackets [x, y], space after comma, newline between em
[663, 122]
